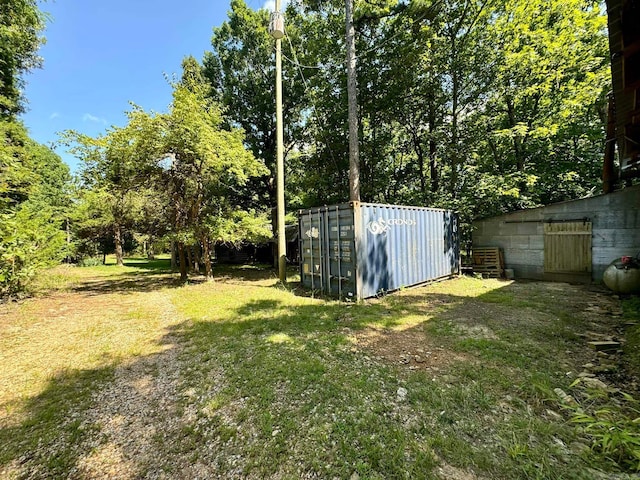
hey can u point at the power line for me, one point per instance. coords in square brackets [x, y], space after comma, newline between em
[313, 102]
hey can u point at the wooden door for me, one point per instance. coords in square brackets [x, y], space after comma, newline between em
[567, 247]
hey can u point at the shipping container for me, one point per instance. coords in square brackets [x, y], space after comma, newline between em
[360, 250]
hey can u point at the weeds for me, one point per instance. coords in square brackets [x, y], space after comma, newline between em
[612, 423]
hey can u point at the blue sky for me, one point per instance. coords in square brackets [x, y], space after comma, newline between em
[100, 55]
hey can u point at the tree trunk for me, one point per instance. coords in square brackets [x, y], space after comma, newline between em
[173, 255]
[197, 258]
[189, 257]
[151, 254]
[433, 150]
[454, 129]
[117, 237]
[417, 148]
[517, 142]
[68, 228]
[183, 262]
[206, 258]
[352, 96]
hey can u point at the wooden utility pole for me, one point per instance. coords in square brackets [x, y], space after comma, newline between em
[277, 31]
[352, 98]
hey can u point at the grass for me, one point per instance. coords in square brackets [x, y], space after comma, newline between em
[631, 309]
[244, 378]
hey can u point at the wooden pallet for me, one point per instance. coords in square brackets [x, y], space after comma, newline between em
[488, 261]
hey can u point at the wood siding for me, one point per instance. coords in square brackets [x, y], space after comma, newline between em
[624, 46]
[567, 247]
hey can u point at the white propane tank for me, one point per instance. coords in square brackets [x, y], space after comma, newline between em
[276, 25]
[623, 275]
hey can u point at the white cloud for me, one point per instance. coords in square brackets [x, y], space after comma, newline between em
[54, 115]
[87, 117]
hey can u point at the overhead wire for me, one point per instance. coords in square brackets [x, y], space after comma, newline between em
[295, 62]
[306, 89]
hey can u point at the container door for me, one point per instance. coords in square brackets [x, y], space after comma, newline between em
[341, 251]
[313, 249]
[328, 251]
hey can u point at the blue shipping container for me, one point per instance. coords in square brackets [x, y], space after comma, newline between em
[359, 250]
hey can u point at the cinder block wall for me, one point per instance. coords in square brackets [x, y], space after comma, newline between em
[616, 231]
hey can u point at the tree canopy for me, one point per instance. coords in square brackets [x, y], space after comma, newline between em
[478, 105]
[34, 182]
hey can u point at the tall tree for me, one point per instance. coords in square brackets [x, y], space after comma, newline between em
[209, 167]
[33, 202]
[241, 71]
[20, 25]
[119, 163]
[547, 108]
[478, 105]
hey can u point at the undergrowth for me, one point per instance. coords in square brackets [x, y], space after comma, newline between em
[611, 422]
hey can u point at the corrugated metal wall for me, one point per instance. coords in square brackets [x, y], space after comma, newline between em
[358, 250]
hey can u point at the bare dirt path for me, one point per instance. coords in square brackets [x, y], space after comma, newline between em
[137, 407]
[126, 334]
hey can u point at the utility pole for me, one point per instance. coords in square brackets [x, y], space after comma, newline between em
[352, 98]
[276, 29]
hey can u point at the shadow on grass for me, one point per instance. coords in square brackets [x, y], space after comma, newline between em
[129, 283]
[152, 275]
[286, 394]
[48, 442]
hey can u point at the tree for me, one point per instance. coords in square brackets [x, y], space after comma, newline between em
[240, 69]
[549, 98]
[209, 167]
[475, 105]
[118, 164]
[20, 25]
[33, 206]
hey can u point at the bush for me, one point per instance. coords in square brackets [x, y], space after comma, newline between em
[90, 262]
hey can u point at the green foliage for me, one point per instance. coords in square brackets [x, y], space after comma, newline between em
[210, 169]
[631, 309]
[613, 426]
[33, 180]
[183, 173]
[20, 25]
[33, 203]
[117, 166]
[89, 262]
[238, 226]
[484, 106]
[240, 71]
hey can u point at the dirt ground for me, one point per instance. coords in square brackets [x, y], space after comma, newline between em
[595, 306]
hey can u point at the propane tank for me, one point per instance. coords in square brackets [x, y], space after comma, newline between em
[623, 275]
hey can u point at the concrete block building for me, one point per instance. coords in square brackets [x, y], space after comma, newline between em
[571, 241]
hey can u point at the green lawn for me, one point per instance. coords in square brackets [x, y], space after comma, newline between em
[125, 373]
